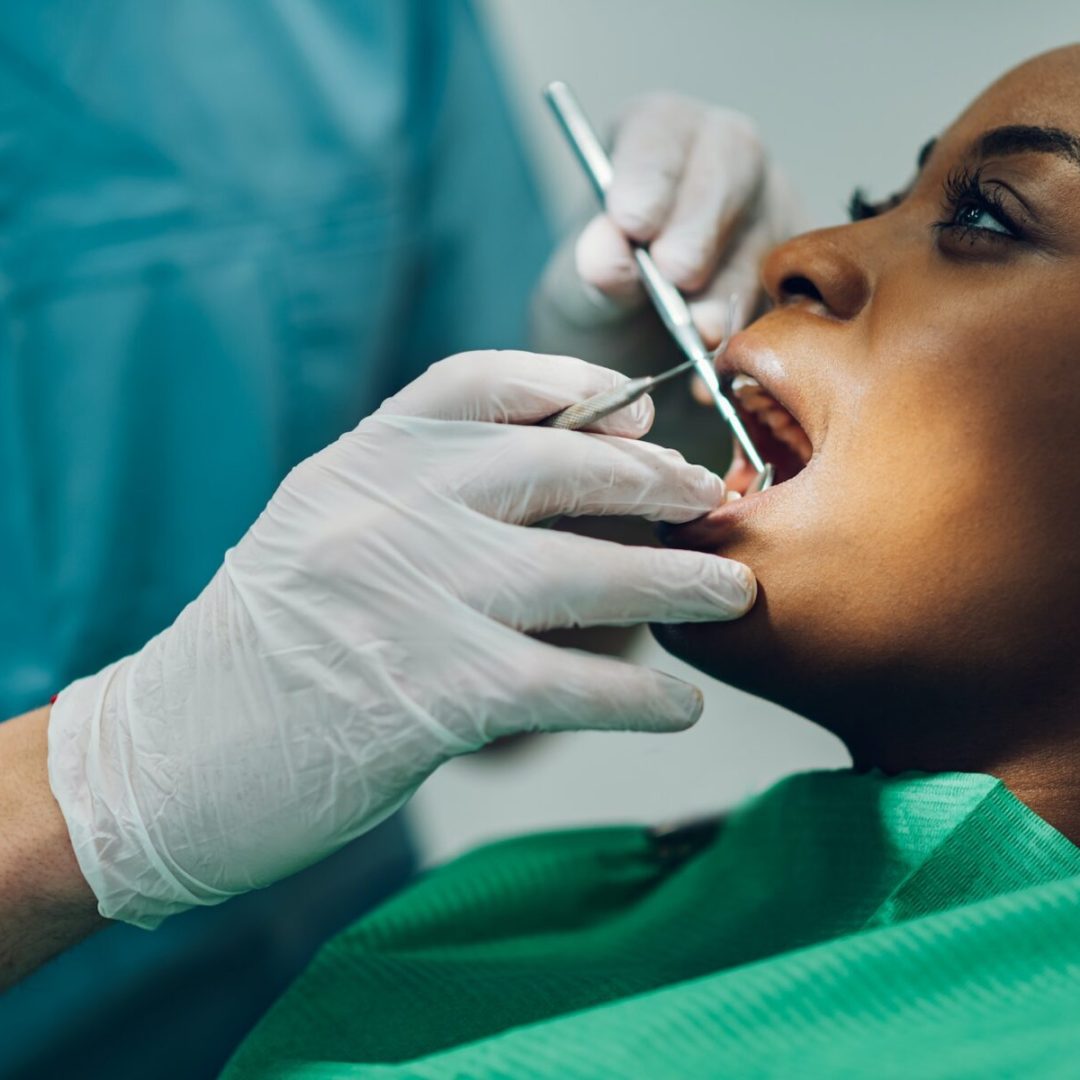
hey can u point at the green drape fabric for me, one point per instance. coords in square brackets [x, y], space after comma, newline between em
[841, 924]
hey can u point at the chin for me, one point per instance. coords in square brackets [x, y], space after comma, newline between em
[796, 647]
[764, 652]
[748, 654]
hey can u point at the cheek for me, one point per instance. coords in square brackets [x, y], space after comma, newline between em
[931, 548]
[920, 541]
[913, 554]
[978, 493]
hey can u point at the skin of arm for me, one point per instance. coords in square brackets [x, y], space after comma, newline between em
[46, 905]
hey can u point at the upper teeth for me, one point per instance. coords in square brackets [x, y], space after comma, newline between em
[758, 401]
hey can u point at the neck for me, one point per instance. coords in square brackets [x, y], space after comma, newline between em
[1035, 752]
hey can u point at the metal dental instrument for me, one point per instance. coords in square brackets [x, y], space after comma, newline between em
[667, 300]
[594, 408]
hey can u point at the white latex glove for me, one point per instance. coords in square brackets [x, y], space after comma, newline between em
[693, 182]
[369, 626]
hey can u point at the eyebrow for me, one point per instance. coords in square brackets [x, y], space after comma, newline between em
[998, 142]
[1028, 139]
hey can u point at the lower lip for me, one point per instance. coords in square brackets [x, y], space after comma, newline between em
[718, 523]
[712, 529]
[736, 508]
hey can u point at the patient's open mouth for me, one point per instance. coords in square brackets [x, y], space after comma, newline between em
[785, 420]
[778, 436]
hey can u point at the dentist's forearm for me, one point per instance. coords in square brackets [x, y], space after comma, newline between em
[46, 905]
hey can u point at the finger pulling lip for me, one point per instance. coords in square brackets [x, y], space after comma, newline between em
[713, 530]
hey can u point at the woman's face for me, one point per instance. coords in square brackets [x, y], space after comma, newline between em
[928, 556]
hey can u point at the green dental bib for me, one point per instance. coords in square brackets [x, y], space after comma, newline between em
[839, 925]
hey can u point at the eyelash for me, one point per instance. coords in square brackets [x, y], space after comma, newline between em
[963, 190]
[860, 208]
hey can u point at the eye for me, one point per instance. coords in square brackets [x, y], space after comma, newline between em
[979, 217]
[974, 210]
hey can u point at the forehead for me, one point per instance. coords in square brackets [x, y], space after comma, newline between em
[1043, 92]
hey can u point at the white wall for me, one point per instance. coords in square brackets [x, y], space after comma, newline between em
[844, 93]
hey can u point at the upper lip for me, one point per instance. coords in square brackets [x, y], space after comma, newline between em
[772, 371]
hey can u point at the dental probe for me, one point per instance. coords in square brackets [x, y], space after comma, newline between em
[584, 413]
[667, 300]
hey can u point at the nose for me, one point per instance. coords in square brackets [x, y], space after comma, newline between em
[820, 266]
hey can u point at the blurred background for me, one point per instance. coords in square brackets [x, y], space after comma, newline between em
[844, 93]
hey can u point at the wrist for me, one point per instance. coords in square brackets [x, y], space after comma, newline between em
[92, 770]
[46, 903]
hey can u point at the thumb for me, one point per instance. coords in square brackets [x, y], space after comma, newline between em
[604, 262]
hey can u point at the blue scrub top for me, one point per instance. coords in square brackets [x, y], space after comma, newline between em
[228, 229]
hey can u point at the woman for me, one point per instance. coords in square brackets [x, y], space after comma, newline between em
[919, 596]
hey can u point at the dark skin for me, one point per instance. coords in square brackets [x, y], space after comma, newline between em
[920, 579]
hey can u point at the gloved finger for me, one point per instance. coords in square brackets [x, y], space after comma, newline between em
[735, 293]
[740, 271]
[720, 185]
[700, 392]
[513, 387]
[648, 158]
[604, 260]
[566, 690]
[537, 473]
[561, 580]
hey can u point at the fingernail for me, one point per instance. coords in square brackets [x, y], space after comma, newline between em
[612, 305]
[688, 700]
[641, 413]
[696, 705]
[733, 587]
[711, 318]
[744, 576]
[639, 219]
[681, 267]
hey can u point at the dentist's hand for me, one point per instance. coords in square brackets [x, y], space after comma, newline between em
[371, 624]
[693, 182]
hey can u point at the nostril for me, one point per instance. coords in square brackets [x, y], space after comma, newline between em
[797, 285]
